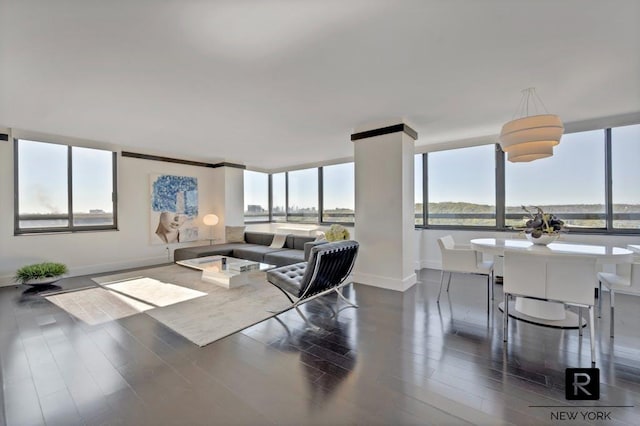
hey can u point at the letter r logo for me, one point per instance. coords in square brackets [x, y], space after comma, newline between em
[582, 383]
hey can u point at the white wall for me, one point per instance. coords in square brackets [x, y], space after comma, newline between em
[92, 252]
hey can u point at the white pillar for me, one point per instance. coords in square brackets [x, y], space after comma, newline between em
[385, 206]
[228, 203]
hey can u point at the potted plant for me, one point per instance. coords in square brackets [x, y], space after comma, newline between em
[40, 273]
[542, 228]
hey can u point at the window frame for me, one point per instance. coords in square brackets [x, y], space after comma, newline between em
[500, 180]
[425, 197]
[269, 201]
[318, 221]
[70, 228]
[321, 198]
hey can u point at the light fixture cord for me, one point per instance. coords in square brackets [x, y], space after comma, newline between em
[529, 97]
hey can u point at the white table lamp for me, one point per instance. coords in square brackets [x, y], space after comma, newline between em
[210, 220]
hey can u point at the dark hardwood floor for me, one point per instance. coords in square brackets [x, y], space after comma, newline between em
[398, 359]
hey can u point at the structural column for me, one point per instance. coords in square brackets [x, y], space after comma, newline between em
[228, 197]
[384, 196]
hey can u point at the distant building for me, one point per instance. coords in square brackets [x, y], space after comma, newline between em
[255, 208]
[96, 211]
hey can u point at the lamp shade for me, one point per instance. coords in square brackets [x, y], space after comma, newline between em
[210, 219]
[530, 138]
[530, 151]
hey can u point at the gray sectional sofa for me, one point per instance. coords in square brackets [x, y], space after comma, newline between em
[256, 247]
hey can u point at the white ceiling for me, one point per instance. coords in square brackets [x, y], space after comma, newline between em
[273, 84]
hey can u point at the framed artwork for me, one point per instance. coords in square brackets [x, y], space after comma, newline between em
[174, 208]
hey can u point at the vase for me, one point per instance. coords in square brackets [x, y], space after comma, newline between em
[543, 240]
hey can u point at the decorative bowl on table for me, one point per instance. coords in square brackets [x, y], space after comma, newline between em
[543, 239]
[542, 228]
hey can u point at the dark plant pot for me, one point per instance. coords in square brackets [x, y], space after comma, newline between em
[42, 281]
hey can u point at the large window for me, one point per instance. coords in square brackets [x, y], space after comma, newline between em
[63, 188]
[338, 195]
[590, 182]
[279, 197]
[256, 196]
[625, 154]
[303, 196]
[569, 184]
[462, 187]
[418, 196]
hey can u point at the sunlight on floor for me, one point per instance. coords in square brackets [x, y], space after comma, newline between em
[121, 299]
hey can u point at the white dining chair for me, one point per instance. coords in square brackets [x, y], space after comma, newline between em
[564, 278]
[463, 259]
[626, 280]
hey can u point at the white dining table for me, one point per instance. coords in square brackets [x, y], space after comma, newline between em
[552, 314]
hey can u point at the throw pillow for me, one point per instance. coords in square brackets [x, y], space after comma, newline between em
[320, 236]
[234, 234]
[278, 241]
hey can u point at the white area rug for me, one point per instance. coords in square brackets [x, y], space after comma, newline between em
[175, 296]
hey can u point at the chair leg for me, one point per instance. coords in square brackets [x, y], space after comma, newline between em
[349, 302]
[493, 285]
[441, 282]
[592, 335]
[328, 306]
[599, 299]
[612, 302]
[505, 317]
[579, 321]
[449, 281]
[489, 298]
[306, 320]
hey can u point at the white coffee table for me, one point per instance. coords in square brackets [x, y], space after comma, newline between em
[234, 274]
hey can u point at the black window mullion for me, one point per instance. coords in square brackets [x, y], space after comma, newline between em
[114, 190]
[16, 186]
[608, 176]
[501, 208]
[320, 196]
[425, 189]
[70, 187]
[270, 202]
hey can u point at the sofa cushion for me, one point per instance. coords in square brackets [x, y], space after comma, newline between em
[284, 257]
[296, 242]
[311, 244]
[253, 252]
[289, 277]
[234, 234]
[262, 238]
[202, 251]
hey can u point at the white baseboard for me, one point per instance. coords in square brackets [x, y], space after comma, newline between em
[7, 280]
[430, 264]
[385, 282]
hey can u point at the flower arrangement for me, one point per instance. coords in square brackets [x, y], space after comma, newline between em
[541, 223]
[336, 233]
